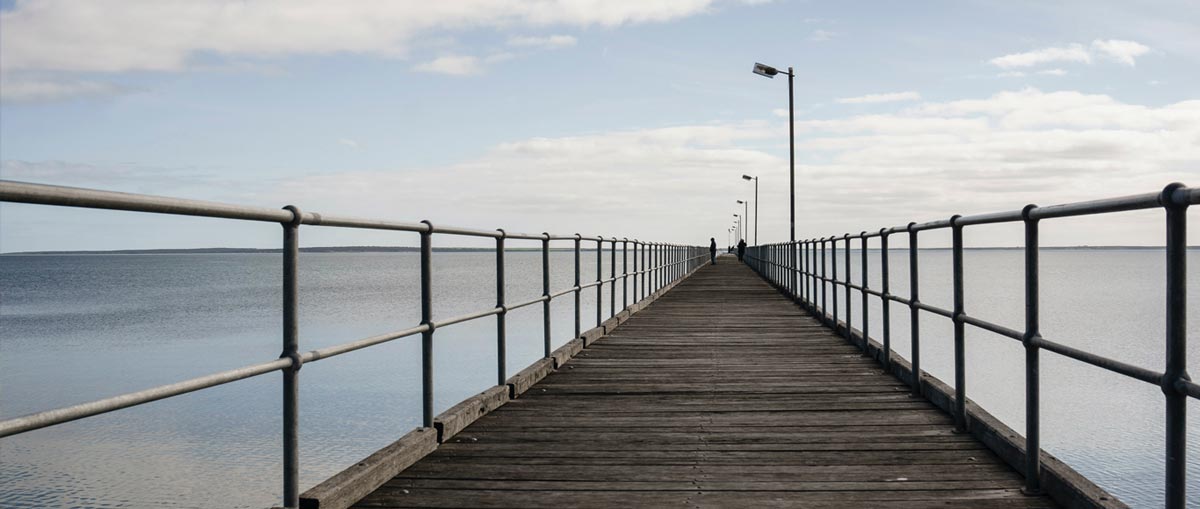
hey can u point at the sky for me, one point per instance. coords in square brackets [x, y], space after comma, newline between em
[618, 118]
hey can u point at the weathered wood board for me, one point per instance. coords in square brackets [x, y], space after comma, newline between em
[719, 394]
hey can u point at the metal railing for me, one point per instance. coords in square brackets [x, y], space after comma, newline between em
[660, 265]
[778, 263]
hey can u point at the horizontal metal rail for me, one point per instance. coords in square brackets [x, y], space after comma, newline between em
[662, 264]
[777, 263]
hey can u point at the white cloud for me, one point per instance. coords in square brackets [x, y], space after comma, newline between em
[1072, 53]
[928, 161]
[1053, 72]
[348, 143]
[165, 35]
[548, 42]
[880, 98]
[502, 56]
[821, 35]
[457, 65]
[1121, 51]
[932, 160]
[26, 90]
[1011, 74]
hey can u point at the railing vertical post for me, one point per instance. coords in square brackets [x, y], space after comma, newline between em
[866, 314]
[578, 290]
[886, 300]
[1176, 426]
[546, 294]
[913, 310]
[674, 263]
[502, 316]
[1033, 447]
[813, 268]
[849, 294]
[833, 280]
[651, 268]
[625, 274]
[824, 294]
[636, 296]
[291, 344]
[658, 270]
[803, 261]
[427, 320]
[805, 270]
[798, 247]
[644, 272]
[960, 356]
[599, 282]
[612, 275]
[792, 254]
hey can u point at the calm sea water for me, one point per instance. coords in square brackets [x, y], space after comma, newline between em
[76, 328]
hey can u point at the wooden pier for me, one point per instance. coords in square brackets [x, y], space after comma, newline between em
[721, 393]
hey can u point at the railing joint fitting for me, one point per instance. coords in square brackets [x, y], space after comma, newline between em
[430, 325]
[297, 216]
[1027, 213]
[428, 227]
[1173, 385]
[296, 358]
[503, 234]
[1030, 340]
[1167, 198]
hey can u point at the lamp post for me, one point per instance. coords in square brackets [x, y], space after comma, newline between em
[746, 214]
[770, 72]
[755, 179]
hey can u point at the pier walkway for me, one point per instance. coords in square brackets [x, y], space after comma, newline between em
[721, 393]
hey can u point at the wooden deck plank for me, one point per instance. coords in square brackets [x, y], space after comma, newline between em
[721, 393]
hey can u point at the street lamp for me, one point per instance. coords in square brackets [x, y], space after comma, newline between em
[745, 214]
[755, 179]
[770, 72]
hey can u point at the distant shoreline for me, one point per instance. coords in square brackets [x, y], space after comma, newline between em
[408, 249]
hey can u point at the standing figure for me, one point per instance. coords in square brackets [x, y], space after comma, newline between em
[712, 250]
[741, 249]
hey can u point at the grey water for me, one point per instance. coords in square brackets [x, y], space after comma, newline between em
[75, 328]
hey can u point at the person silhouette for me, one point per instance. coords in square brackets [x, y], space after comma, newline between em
[741, 249]
[712, 250]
